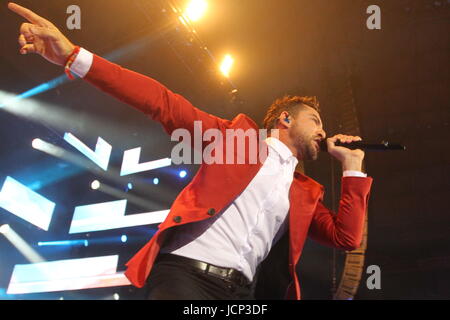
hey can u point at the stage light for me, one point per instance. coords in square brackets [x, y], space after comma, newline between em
[37, 143]
[63, 243]
[195, 9]
[116, 296]
[17, 241]
[123, 238]
[49, 148]
[130, 186]
[182, 20]
[4, 229]
[155, 180]
[182, 173]
[226, 65]
[95, 185]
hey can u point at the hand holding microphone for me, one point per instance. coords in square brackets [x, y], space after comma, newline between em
[349, 149]
[350, 159]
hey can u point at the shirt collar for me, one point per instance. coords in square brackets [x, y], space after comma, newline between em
[280, 148]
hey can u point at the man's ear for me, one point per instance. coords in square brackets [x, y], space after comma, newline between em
[285, 119]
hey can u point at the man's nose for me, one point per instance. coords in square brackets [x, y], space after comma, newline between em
[322, 134]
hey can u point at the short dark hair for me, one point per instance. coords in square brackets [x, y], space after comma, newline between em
[292, 104]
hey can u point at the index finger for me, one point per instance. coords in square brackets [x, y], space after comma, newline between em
[28, 14]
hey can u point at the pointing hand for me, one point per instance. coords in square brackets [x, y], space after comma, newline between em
[40, 36]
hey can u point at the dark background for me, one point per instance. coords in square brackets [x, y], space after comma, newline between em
[399, 82]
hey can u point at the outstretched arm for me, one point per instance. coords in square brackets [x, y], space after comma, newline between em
[42, 37]
[172, 110]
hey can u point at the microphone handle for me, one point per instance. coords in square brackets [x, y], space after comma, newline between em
[383, 146]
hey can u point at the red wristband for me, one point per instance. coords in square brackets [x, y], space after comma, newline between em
[70, 61]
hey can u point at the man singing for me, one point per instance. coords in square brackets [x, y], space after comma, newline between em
[224, 226]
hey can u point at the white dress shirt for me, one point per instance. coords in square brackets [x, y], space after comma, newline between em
[242, 235]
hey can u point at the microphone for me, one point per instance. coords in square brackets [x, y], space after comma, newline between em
[383, 146]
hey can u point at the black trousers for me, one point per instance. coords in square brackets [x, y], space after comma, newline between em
[173, 280]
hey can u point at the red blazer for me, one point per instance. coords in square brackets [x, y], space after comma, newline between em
[217, 185]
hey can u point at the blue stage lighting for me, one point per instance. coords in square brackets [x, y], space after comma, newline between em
[182, 173]
[123, 238]
[63, 243]
[43, 87]
[130, 186]
[155, 180]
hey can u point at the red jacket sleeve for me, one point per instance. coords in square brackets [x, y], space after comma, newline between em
[149, 96]
[343, 230]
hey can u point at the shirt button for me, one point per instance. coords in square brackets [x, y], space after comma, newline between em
[211, 211]
[177, 219]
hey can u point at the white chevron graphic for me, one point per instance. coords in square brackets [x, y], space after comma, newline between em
[111, 215]
[70, 274]
[130, 162]
[26, 203]
[101, 154]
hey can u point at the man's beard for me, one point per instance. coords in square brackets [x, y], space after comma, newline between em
[309, 150]
[306, 146]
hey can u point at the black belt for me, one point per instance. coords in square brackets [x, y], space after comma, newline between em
[228, 274]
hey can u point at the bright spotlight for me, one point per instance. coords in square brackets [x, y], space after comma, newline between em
[4, 229]
[155, 180]
[116, 296]
[183, 20]
[37, 143]
[123, 238]
[225, 66]
[95, 185]
[130, 186]
[196, 9]
[182, 173]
